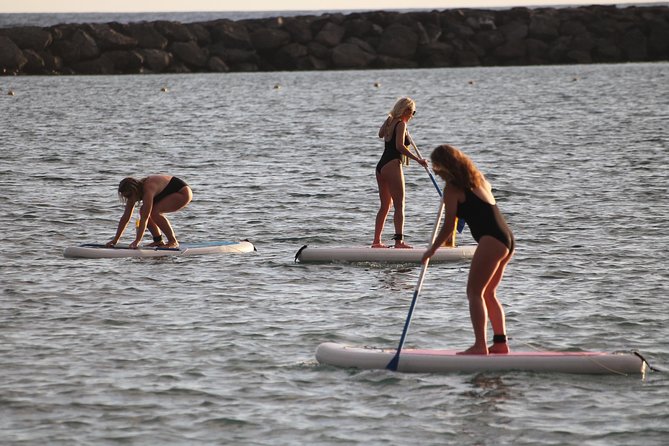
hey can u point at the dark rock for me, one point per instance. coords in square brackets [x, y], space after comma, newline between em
[216, 65]
[544, 27]
[287, 57]
[35, 64]
[200, 33]
[29, 37]
[299, 29]
[231, 34]
[80, 46]
[350, 55]
[107, 39]
[125, 61]
[101, 65]
[11, 56]
[190, 54]
[174, 31]
[155, 60]
[398, 41]
[437, 54]
[147, 37]
[267, 39]
[330, 35]
[633, 45]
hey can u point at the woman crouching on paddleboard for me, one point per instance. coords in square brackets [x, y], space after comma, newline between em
[159, 194]
[468, 195]
[389, 174]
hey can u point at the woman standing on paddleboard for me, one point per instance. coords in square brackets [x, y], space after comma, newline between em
[468, 195]
[389, 173]
[159, 194]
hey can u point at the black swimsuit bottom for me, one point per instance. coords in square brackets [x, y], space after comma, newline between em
[485, 219]
[174, 186]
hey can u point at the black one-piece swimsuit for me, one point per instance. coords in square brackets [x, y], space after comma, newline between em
[485, 219]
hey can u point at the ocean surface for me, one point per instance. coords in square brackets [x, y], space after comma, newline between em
[220, 349]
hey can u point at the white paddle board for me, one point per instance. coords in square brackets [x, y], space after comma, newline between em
[93, 251]
[381, 255]
[443, 361]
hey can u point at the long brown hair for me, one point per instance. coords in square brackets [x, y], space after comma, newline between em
[130, 188]
[455, 167]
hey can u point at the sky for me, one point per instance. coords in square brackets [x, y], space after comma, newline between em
[42, 6]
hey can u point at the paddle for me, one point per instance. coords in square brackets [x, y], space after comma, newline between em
[392, 365]
[461, 223]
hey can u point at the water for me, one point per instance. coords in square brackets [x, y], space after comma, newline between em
[220, 349]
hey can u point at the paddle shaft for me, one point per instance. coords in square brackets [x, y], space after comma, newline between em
[392, 365]
[460, 223]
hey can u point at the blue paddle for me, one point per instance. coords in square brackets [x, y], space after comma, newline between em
[461, 223]
[392, 365]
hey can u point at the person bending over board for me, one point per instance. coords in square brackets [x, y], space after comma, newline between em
[159, 194]
[389, 174]
[468, 195]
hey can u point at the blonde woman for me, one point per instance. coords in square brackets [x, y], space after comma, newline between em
[159, 194]
[389, 173]
[468, 195]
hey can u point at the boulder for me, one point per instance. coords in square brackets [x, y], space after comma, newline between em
[107, 39]
[155, 60]
[174, 31]
[216, 65]
[350, 55]
[267, 39]
[11, 57]
[80, 46]
[29, 37]
[190, 54]
[230, 34]
[146, 36]
[330, 35]
[398, 41]
[544, 27]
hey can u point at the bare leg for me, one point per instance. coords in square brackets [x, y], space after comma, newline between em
[171, 203]
[395, 179]
[486, 261]
[495, 309]
[384, 208]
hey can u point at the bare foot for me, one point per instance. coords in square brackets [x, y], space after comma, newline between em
[171, 244]
[402, 245]
[475, 350]
[159, 244]
[499, 348]
[379, 245]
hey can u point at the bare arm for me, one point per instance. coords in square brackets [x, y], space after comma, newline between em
[122, 223]
[400, 134]
[448, 227]
[144, 213]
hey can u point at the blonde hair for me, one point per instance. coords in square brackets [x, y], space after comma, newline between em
[130, 188]
[455, 167]
[401, 106]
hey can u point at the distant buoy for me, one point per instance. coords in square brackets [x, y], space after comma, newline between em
[574, 79]
[277, 86]
[164, 90]
[377, 84]
[471, 82]
[10, 93]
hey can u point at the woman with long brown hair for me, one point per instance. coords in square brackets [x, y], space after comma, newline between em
[389, 173]
[159, 194]
[468, 195]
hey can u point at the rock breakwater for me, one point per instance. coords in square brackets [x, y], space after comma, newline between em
[381, 39]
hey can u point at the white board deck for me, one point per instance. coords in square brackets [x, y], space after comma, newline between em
[443, 361]
[381, 255]
[93, 251]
